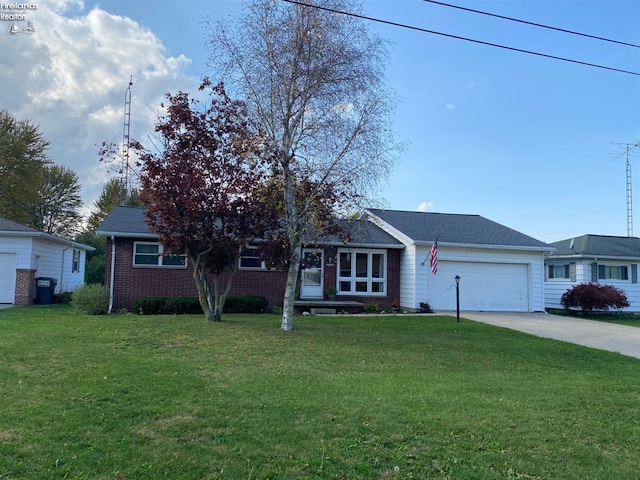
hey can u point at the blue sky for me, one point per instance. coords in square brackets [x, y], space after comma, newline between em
[526, 141]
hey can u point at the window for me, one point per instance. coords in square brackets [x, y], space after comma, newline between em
[558, 272]
[613, 272]
[147, 254]
[75, 261]
[251, 260]
[362, 272]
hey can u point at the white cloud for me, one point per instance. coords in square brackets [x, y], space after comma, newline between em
[70, 77]
[425, 206]
[450, 107]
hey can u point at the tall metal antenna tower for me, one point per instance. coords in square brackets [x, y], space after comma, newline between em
[125, 137]
[629, 148]
[629, 202]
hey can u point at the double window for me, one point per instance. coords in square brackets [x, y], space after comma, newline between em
[362, 272]
[151, 254]
[613, 272]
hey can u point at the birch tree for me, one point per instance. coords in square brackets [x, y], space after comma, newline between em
[314, 79]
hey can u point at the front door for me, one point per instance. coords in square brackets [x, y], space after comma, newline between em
[312, 274]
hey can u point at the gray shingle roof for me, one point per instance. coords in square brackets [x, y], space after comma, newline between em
[129, 222]
[9, 226]
[598, 246]
[363, 233]
[125, 222]
[425, 227]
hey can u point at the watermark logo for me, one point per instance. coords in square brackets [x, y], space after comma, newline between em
[19, 16]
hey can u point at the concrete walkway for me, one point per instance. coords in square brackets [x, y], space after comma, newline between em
[601, 335]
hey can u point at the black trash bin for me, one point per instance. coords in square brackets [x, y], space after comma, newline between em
[45, 286]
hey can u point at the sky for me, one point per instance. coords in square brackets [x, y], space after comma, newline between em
[533, 143]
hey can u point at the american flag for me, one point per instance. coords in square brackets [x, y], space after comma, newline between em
[433, 253]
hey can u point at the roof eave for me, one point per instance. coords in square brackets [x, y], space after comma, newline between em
[106, 233]
[530, 248]
[397, 246]
[47, 236]
[591, 256]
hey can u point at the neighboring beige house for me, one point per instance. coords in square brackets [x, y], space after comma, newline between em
[27, 254]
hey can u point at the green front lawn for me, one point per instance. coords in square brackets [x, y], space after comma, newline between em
[131, 397]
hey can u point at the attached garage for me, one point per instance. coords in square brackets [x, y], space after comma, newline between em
[483, 286]
[500, 269]
[7, 277]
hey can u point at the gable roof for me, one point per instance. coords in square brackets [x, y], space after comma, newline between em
[9, 228]
[130, 222]
[456, 229]
[598, 246]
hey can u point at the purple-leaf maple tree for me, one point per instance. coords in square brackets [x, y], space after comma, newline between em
[203, 188]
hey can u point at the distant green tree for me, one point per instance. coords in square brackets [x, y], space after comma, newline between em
[113, 194]
[56, 206]
[23, 159]
[95, 266]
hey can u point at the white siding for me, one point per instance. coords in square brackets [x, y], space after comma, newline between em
[55, 261]
[529, 266]
[408, 276]
[555, 288]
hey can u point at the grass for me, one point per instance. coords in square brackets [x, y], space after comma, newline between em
[630, 319]
[130, 397]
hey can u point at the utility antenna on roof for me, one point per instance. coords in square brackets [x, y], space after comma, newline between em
[125, 138]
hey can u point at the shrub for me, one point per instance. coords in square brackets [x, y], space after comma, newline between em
[593, 296]
[245, 304]
[149, 305]
[191, 305]
[425, 307]
[371, 308]
[182, 306]
[64, 297]
[92, 299]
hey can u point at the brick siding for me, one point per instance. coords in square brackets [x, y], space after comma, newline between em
[132, 282]
[25, 286]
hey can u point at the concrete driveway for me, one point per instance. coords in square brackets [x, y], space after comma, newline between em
[601, 335]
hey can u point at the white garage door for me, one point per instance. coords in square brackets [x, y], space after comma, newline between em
[7, 277]
[491, 287]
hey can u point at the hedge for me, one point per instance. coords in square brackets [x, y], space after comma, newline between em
[191, 305]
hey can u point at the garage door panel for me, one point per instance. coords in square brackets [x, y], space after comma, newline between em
[483, 286]
[7, 277]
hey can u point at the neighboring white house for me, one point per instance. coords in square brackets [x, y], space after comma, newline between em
[27, 254]
[603, 259]
[500, 269]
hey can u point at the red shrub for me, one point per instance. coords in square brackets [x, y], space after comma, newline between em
[593, 296]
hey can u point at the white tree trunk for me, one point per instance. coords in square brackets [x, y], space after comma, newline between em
[288, 308]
